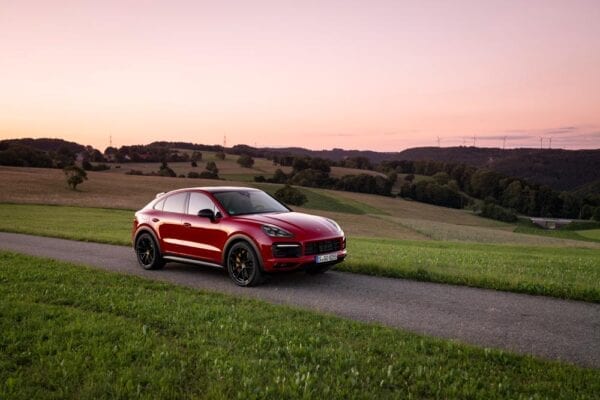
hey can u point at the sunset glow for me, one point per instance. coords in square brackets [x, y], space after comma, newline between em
[380, 75]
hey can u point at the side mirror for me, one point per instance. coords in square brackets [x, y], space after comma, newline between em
[207, 213]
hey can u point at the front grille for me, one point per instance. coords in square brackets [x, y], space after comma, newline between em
[322, 246]
[287, 250]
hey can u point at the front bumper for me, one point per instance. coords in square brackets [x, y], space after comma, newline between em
[284, 256]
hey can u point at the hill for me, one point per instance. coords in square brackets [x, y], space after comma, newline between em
[557, 168]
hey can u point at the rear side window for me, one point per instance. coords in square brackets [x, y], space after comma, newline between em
[159, 205]
[199, 201]
[175, 203]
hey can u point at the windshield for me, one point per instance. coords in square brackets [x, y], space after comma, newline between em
[241, 202]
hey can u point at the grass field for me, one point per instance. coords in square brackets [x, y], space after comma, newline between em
[592, 235]
[73, 332]
[360, 214]
[564, 272]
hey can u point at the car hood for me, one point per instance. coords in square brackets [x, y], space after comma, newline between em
[296, 223]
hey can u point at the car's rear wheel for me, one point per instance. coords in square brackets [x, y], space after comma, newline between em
[243, 265]
[148, 254]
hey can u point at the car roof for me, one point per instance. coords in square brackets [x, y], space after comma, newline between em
[210, 189]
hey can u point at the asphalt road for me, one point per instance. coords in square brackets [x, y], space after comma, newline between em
[542, 326]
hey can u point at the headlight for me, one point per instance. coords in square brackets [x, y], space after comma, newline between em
[335, 224]
[275, 231]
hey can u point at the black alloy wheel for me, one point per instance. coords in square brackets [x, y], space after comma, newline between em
[147, 252]
[243, 266]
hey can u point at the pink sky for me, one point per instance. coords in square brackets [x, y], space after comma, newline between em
[381, 75]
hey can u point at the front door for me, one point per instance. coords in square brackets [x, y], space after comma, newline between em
[204, 239]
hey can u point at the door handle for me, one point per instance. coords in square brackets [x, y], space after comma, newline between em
[187, 224]
[155, 219]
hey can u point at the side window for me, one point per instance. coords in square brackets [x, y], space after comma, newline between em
[199, 201]
[175, 203]
[159, 205]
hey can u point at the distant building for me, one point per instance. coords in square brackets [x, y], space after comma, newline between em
[551, 223]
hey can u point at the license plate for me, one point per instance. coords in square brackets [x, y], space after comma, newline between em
[326, 258]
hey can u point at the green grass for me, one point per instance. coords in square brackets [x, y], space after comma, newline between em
[530, 228]
[593, 234]
[571, 273]
[565, 272]
[320, 201]
[72, 332]
[78, 223]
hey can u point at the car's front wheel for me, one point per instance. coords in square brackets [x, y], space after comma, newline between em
[243, 265]
[148, 254]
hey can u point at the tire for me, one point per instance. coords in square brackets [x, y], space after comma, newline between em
[147, 252]
[243, 266]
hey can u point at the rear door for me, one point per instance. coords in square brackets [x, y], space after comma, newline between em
[170, 228]
[204, 239]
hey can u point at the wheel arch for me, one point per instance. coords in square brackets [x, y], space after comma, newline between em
[147, 229]
[239, 237]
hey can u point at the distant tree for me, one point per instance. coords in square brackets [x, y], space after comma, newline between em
[409, 177]
[320, 164]
[87, 165]
[512, 196]
[392, 177]
[279, 176]
[165, 170]
[245, 161]
[490, 210]
[300, 164]
[441, 178]
[290, 195]
[211, 166]
[220, 155]
[64, 156]
[74, 175]
[587, 212]
[596, 216]
[196, 156]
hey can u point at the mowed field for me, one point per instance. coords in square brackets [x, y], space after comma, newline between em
[387, 236]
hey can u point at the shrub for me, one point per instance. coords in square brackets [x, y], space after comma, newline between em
[194, 164]
[220, 155]
[134, 172]
[245, 161]
[259, 178]
[290, 195]
[208, 175]
[193, 175]
[493, 211]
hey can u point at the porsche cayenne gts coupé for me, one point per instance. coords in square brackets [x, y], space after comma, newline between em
[244, 230]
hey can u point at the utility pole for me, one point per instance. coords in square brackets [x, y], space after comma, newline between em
[110, 141]
[504, 143]
[474, 140]
[438, 140]
[549, 143]
[541, 142]
[224, 141]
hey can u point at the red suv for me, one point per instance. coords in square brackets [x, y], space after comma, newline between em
[244, 230]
